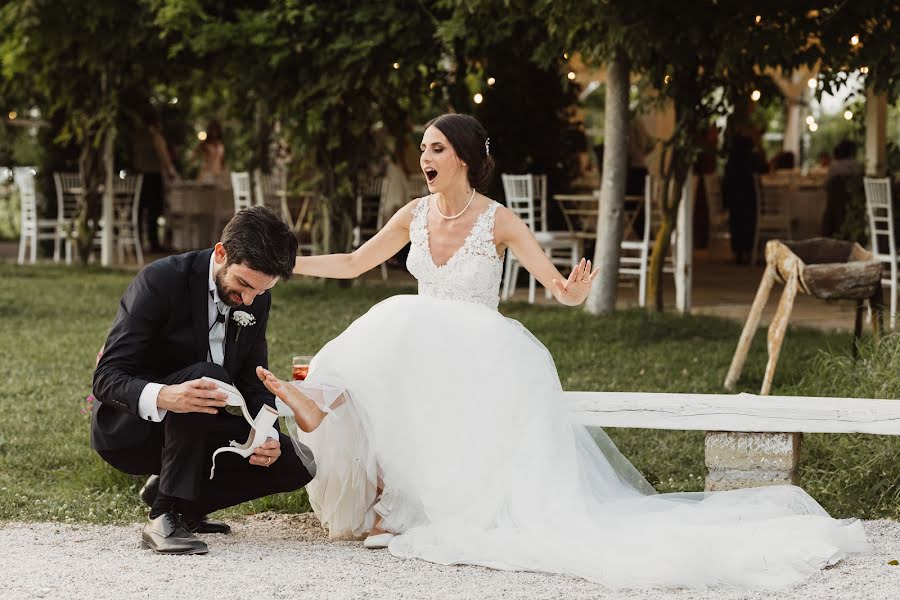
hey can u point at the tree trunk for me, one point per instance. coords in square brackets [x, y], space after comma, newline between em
[90, 165]
[602, 298]
[669, 200]
[263, 137]
[657, 262]
[108, 199]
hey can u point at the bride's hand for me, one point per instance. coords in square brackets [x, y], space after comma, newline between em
[574, 290]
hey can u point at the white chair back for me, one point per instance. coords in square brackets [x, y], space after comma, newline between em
[69, 191]
[881, 218]
[240, 188]
[271, 191]
[773, 211]
[126, 207]
[881, 234]
[540, 202]
[634, 259]
[369, 216]
[773, 203]
[33, 228]
[69, 188]
[526, 196]
[368, 209]
[519, 192]
[24, 177]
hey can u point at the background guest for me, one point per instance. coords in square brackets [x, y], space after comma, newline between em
[844, 174]
[745, 159]
[150, 156]
[211, 154]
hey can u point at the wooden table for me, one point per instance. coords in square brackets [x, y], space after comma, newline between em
[804, 197]
[198, 212]
[581, 213]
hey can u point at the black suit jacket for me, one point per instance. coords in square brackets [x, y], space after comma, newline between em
[162, 326]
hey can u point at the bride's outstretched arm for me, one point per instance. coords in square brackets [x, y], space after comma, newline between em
[385, 244]
[512, 232]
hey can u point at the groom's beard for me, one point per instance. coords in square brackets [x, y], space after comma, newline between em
[227, 295]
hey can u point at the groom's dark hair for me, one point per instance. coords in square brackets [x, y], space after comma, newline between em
[257, 238]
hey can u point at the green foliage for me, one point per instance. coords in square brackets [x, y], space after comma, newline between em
[83, 76]
[853, 470]
[530, 109]
[49, 472]
[876, 25]
[832, 129]
[325, 71]
[705, 57]
[10, 211]
[872, 375]
[855, 224]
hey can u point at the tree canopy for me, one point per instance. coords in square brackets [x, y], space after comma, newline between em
[328, 77]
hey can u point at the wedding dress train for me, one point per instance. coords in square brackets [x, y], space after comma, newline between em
[455, 432]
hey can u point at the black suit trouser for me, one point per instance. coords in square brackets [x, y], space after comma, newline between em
[180, 451]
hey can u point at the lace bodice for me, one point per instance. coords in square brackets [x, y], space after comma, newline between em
[473, 272]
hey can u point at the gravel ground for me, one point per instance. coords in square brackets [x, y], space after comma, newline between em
[288, 556]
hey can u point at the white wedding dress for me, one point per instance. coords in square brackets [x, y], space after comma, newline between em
[456, 433]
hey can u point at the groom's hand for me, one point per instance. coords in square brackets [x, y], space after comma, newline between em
[267, 454]
[196, 395]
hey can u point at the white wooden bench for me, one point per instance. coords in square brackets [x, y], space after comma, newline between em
[751, 440]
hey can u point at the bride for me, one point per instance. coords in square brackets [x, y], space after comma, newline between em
[439, 428]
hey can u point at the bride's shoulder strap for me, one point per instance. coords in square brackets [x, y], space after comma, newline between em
[491, 212]
[421, 205]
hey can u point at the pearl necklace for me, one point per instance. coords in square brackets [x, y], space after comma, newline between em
[459, 214]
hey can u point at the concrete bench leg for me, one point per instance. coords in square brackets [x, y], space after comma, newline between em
[737, 460]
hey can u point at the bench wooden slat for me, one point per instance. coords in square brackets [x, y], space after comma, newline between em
[735, 412]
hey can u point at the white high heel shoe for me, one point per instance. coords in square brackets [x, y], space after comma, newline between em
[378, 541]
[260, 427]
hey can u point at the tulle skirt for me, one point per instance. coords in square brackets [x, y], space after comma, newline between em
[447, 420]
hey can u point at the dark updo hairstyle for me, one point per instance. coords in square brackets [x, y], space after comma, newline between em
[468, 138]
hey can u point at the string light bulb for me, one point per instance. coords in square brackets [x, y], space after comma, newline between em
[755, 95]
[478, 98]
[201, 135]
[848, 114]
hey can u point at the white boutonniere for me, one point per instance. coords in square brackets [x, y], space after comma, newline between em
[244, 319]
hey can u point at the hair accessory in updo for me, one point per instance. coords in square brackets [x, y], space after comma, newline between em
[487, 146]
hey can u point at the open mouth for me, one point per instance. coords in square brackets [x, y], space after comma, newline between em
[430, 174]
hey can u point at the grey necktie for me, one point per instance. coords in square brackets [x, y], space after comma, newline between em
[217, 334]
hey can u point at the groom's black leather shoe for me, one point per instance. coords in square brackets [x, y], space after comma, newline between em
[149, 490]
[198, 524]
[166, 534]
[204, 525]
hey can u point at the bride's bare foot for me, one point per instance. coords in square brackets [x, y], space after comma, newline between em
[306, 411]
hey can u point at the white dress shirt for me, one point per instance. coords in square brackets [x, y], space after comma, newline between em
[147, 407]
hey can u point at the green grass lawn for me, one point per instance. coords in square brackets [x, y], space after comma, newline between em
[53, 320]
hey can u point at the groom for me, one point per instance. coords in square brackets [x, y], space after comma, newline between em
[155, 416]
